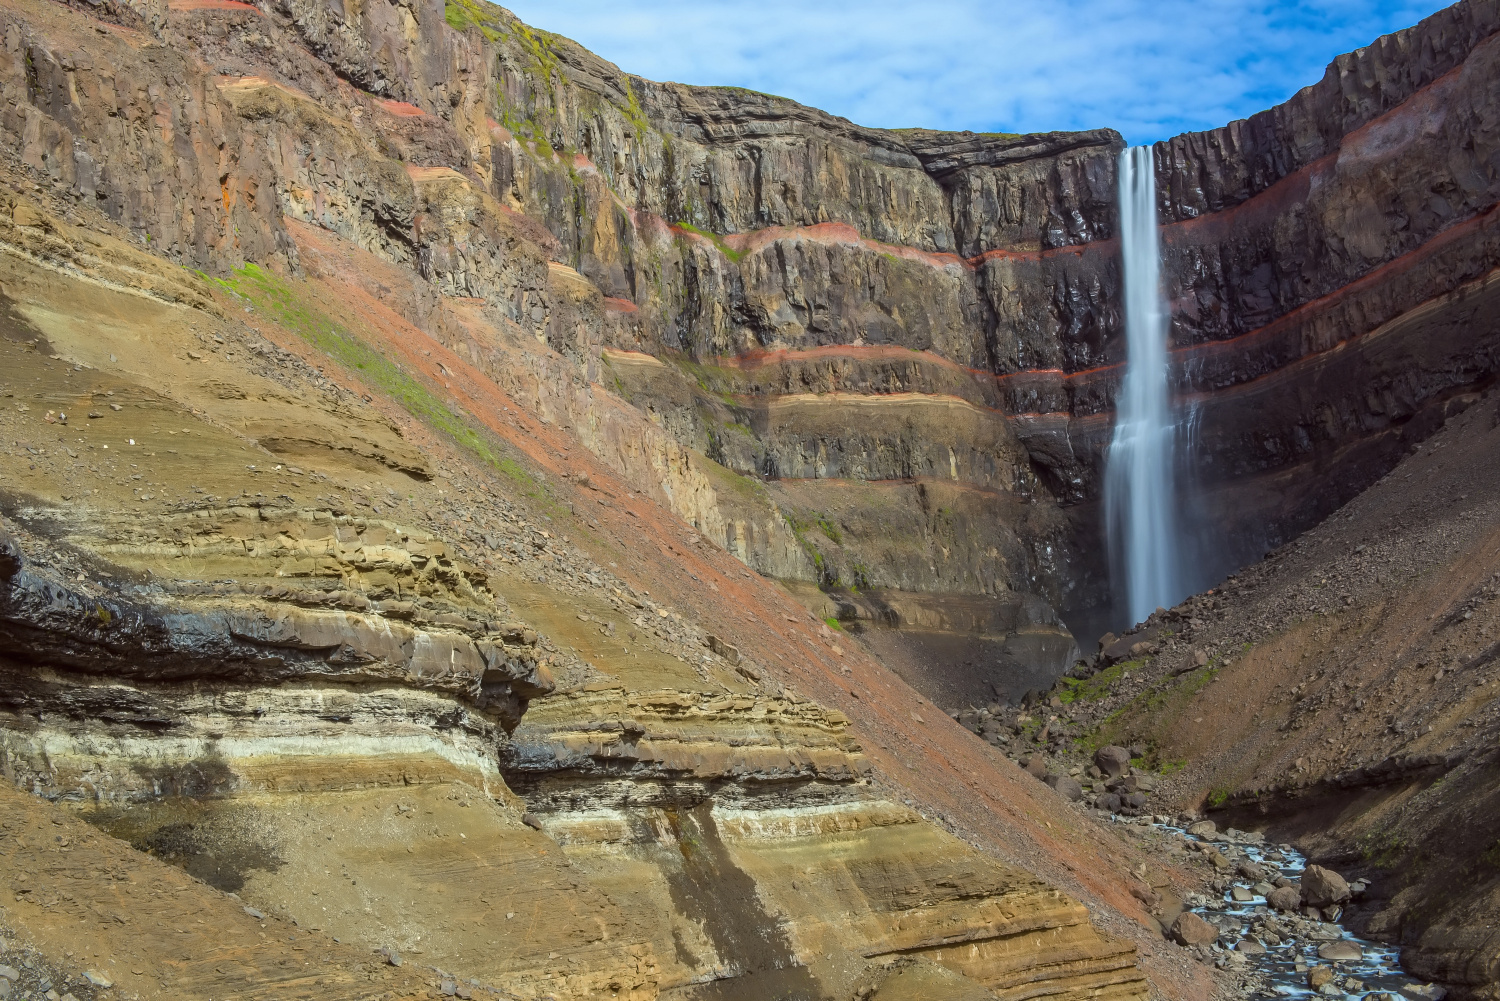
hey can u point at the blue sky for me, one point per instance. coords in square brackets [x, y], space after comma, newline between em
[1150, 68]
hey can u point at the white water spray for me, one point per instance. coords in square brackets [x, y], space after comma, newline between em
[1139, 499]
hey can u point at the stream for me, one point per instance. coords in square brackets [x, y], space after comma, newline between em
[1291, 941]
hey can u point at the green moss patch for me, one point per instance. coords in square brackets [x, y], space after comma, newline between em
[1165, 699]
[634, 114]
[1388, 851]
[828, 528]
[715, 239]
[278, 299]
[462, 15]
[1093, 688]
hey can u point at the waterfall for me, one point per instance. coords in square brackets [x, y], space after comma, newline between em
[1139, 498]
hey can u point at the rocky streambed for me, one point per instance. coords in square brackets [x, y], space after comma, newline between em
[1274, 917]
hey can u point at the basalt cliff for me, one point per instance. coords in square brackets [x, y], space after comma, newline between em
[479, 522]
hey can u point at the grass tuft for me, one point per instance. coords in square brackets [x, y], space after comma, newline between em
[462, 15]
[715, 239]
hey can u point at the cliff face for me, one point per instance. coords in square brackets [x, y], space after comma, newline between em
[1292, 239]
[807, 249]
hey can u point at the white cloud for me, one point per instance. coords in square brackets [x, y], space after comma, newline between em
[1150, 68]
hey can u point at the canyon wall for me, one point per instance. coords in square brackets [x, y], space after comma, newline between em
[917, 335]
[876, 359]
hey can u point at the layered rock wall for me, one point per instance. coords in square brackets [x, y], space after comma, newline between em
[709, 226]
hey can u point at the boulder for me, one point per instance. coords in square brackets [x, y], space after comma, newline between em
[1322, 887]
[1112, 760]
[1168, 909]
[1142, 644]
[728, 651]
[1189, 929]
[1109, 802]
[1241, 895]
[1250, 947]
[1203, 829]
[1116, 650]
[1035, 766]
[1318, 976]
[1284, 898]
[1343, 951]
[1067, 787]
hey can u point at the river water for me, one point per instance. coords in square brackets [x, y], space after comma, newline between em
[1292, 942]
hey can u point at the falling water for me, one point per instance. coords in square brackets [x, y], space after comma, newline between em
[1139, 500]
